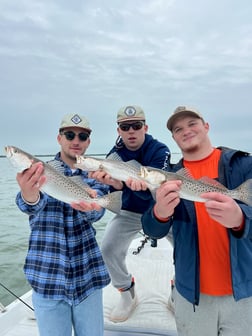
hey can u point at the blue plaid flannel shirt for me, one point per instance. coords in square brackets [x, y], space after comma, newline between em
[64, 261]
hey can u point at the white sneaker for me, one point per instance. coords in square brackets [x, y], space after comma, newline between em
[125, 306]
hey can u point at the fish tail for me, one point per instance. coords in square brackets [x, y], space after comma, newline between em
[244, 192]
[152, 191]
[114, 201]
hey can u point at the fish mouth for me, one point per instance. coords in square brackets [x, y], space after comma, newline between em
[8, 151]
[78, 158]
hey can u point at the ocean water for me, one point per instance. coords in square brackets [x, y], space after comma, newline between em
[14, 235]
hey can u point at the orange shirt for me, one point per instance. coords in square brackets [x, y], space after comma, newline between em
[215, 269]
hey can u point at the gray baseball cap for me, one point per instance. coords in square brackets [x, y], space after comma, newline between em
[181, 111]
[75, 120]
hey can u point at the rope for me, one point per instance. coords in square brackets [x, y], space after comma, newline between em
[143, 242]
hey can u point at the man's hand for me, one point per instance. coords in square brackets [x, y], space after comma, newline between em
[85, 206]
[223, 209]
[167, 198]
[105, 178]
[30, 181]
[136, 185]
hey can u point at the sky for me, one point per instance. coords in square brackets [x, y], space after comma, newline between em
[92, 57]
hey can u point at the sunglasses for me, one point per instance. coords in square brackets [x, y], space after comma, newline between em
[136, 126]
[70, 135]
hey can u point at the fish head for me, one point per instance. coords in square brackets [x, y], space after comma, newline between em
[152, 176]
[19, 160]
[79, 159]
[87, 163]
[144, 172]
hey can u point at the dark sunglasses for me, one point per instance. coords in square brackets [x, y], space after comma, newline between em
[136, 126]
[70, 135]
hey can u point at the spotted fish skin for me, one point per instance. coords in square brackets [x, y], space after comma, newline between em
[64, 188]
[191, 188]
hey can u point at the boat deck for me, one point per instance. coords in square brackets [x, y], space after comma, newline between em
[153, 271]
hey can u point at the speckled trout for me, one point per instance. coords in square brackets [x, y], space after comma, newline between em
[64, 188]
[112, 165]
[191, 188]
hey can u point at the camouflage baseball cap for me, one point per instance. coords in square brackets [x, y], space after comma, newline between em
[132, 112]
[181, 111]
[75, 120]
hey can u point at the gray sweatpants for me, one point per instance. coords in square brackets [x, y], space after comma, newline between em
[214, 316]
[119, 233]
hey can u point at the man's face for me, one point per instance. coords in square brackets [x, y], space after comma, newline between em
[132, 133]
[189, 132]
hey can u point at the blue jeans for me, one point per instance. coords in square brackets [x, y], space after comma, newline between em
[57, 318]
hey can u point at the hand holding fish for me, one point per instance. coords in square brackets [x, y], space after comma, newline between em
[167, 198]
[131, 183]
[136, 185]
[86, 206]
[49, 178]
[112, 170]
[223, 209]
[105, 178]
[30, 181]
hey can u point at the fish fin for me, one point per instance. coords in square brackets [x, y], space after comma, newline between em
[153, 193]
[114, 157]
[57, 165]
[212, 182]
[204, 179]
[114, 203]
[134, 164]
[244, 192]
[185, 173]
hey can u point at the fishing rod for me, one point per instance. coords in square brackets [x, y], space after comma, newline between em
[16, 296]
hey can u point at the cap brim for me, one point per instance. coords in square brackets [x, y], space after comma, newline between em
[130, 119]
[88, 130]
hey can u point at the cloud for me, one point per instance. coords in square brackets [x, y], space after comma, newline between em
[93, 57]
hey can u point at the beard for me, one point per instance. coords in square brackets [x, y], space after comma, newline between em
[191, 149]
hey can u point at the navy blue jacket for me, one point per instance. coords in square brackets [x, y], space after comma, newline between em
[235, 167]
[152, 153]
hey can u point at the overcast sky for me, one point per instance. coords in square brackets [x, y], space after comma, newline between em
[92, 57]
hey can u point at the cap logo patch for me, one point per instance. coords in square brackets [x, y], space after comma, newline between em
[180, 108]
[130, 111]
[76, 119]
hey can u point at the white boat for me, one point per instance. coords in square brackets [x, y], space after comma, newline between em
[153, 271]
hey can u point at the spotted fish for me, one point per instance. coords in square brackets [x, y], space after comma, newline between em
[64, 188]
[112, 165]
[191, 188]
